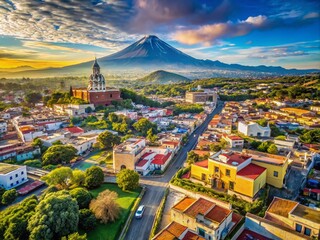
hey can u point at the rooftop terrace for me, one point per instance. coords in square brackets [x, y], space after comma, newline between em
[6, 168]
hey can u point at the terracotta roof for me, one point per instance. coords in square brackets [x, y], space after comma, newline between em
[171, 232]
[192, 236]
[146, 155]
[218, 214]
[161, 159]
[246, 233]
[201, 206]
[235, 157]
[201, 152]
[74, 129]
[203, 163]
[251, 171]
[174, 143]
[184, 204]
[187, 175]
[141, 163]
[234, 138]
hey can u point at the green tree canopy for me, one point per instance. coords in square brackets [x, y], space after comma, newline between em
[60, 177]
[107, 140]
[192, 157]
[128, 179]
[87, 220]
[311, 136]
[33, 97]
[58, 154]
[57, 215]
[94, 177]
[143, 125]
[9, 196]
[272, 149]
[82, 196]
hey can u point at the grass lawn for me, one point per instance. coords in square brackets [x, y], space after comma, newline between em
[101, 156]
[110, 231]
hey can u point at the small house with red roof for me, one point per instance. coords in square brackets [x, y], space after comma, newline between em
[234, 141]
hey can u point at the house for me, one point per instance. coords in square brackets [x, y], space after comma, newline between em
[12, 175]
[176, 231]
[284, 145]
[253, 129]
[277, 166]
[295, 216]
[128, 113]
[233, 141]
[232, 172]
[18, 151]
[73, 109]
[3, 126]
[206, 218]
[174, 146]
[74, 131]
[202, 96]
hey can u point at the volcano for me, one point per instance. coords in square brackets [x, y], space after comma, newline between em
[151, 54]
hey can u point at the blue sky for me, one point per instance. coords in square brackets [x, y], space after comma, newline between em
[55, 33]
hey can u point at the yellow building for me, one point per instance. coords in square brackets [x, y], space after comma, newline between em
[232, 172]
[276, 166]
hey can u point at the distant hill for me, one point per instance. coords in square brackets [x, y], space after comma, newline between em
[150, 54]
[163, 77]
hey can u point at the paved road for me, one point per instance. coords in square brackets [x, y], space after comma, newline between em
[140, 228]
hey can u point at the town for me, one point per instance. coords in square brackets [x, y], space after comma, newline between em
[193, 165]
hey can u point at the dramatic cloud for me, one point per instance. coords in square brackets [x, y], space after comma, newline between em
[89, 22]
[207, 34]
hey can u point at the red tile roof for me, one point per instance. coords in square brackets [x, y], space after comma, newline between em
[146, 155]
[171, 232]
[218, 214]
[184, 204]
[74, 129]
[203, 164]
[201, 206]
[234, 138]
[236, 157]
[246, 233]
[186, 175]
[174, 143]
[141, 163]
[251, 171]
[192, 236]
[161, 159]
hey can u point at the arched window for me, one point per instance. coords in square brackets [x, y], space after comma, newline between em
[123, 167]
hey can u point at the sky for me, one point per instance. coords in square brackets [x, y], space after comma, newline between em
[56, 33]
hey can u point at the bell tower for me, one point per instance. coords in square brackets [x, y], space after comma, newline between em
[97, 82]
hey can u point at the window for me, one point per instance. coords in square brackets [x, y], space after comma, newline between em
[110, 95]
[231, 185]
[17, 182]
[307, 231]
[203, 177]
[298, 227]
[275, 173]
[22, 179]
[11, 178]
[16, 175]
[216, 169]
[227, 172]
[201, 232]
[22, 173]
[11, 184]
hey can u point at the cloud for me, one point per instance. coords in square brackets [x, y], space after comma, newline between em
[18, 54]
[207, 34]
[311, 15]
[93, 22]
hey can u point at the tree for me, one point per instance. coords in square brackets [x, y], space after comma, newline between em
[56, 215]
[14, 219]
[113, 118]
[128, 179]
[87, 220]
[311, 136]
[33, 163]
[262, 122]
[281, 137]
[58, 142]
[151, 136]
[60, 177]
[75, 236]
[33, 97]
[9, 196]
[192, 157]
[272, 149]
[107, 140]
[78, 178]
[143, 125]
[215, 147]
[105, 207]
[58, 154]
[94, 177]
[82, 196]
[263, 147]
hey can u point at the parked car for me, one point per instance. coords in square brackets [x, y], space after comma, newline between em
[139, 212]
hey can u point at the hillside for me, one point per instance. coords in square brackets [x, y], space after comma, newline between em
[163, 77]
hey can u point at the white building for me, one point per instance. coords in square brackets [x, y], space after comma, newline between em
[3, 126]
[72, 109]
[234, 141]
[253, 129]
[12, 175]
[130, 114]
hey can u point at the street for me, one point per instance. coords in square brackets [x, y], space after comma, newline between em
[140, 228]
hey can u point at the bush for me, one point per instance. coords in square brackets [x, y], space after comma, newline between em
[33, 163]
[9, 196]
[128, 179]
[94, 177]
[82, 196]
[87, 220]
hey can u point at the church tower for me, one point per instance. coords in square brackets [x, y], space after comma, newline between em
[96, 79]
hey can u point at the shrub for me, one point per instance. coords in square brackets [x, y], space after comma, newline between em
[82, 196]
[87, 220]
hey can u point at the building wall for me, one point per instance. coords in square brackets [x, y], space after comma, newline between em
[244, 186]
[14, 178]
[271, 179]
[104, 98]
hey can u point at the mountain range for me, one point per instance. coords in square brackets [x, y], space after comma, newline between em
[151, 54]
[163, 77]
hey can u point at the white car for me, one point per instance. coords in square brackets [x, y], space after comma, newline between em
[140, 212]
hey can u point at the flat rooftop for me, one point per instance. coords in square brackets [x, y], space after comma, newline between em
[307, 213]
[6, 168]
[266, 157]
[281, 206]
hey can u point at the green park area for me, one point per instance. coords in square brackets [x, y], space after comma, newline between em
[98, 156]
[125, 200]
